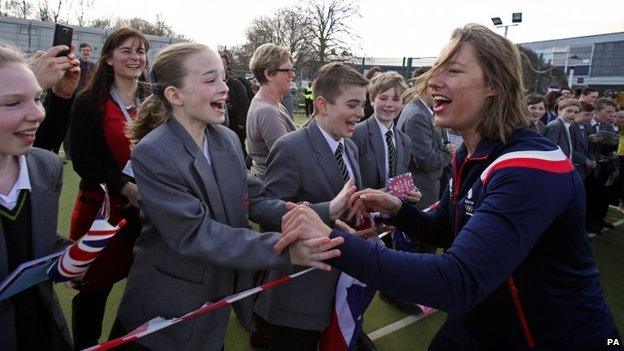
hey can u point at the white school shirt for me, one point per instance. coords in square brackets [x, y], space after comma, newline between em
[23, 182]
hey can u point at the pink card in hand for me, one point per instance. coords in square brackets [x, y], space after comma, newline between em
[400, 185]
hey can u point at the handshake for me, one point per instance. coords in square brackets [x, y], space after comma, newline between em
[309, 237]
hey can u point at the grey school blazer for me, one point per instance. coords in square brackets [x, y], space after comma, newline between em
[372, 155]
[302, 167]
[195, 245]
[557, 132]
[428, 156]
[45, 172]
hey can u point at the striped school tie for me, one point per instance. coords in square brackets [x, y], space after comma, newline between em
[341, 163]
[392, 155]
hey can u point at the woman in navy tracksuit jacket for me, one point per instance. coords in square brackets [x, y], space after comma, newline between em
[518, 272]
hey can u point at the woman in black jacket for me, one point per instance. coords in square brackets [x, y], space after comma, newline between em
[100, 154]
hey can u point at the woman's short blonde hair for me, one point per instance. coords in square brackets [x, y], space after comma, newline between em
[267, 58]
[502, 70]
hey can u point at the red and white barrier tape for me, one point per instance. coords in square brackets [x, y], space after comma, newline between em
[159, 323]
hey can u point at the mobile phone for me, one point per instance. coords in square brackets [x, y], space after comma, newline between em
[63, 36]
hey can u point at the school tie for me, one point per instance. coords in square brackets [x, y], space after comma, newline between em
[341, 163]
[392, 155]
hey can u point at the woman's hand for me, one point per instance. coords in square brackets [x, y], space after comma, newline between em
[131, 192]
[59, 73]
[312, 252]
[369, 200]
[413, 196]
[364, 233]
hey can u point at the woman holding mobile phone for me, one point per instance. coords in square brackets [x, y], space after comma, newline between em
[100, 154]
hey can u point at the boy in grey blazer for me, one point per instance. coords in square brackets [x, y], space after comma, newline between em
[558, 131]
[383, 149]
[313, 164]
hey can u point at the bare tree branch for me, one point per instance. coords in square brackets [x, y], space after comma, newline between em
[19, 8]
[81, 12]
[287, 27]
[329, 23]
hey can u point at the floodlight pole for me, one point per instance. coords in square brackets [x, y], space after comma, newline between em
[516, 19]
[506, 26]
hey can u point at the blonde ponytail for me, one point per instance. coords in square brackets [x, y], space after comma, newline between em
[168, 70]
[151, 114]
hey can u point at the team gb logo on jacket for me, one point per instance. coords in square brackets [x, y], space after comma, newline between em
[469, 203]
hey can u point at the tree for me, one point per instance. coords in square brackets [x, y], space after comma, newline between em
[19, 8]
[50, 11]
[159, 28]
[81, 11]
[329, 26]
[239, 56]
[295, 34]
[287, 27]
[104, 23]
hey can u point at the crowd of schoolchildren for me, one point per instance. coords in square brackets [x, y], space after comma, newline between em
[158, 138]
[589, 129]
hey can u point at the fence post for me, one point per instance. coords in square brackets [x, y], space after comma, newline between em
[29, 36]
[403, 68]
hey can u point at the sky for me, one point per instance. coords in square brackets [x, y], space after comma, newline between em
[387, 28]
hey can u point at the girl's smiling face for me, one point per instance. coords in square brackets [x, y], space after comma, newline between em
[21, 111]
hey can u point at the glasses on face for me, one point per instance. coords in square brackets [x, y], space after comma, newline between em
[286, 70]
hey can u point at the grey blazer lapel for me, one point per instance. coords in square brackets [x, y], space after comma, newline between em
[324, 157]
[402, 158]
[353, 159]
[42, 206]
[226, 170]
[375, 137]
[203, 169]
[565, 135]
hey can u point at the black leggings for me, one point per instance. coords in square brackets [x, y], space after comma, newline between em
[87, 315]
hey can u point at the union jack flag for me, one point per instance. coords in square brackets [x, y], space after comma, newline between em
[76, 259]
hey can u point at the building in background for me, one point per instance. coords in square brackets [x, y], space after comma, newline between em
[590, 61]
[33, 35]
